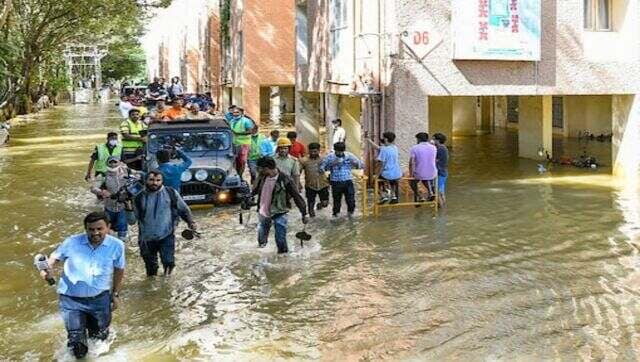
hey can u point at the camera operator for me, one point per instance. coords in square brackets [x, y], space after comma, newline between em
[111, 189]
[90, 283]
[157, 210]
[170, 170]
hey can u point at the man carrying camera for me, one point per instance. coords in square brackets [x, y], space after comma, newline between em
[91, 281]
[157, 210]
[111, 189]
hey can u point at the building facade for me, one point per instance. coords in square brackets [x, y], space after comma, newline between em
[258, 65]
[183, 40]
[546, 68]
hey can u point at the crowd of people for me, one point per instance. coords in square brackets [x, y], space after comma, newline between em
[94, 262]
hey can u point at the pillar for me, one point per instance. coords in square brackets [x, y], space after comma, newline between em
[535, 127]
[308, 117]
[465, 116]
[251, 101]
[500, 111]
[274, 105]
[484, 115]
[625, 125]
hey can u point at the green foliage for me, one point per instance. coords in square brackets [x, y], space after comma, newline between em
[125, 60]
[36, 32]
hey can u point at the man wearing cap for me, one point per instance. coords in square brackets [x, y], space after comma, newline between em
[107, 188]
[101, 153]
[286, 163]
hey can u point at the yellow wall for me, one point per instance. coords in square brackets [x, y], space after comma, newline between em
[591, 113]
[464, 116]
[350, 115]
[440, 116]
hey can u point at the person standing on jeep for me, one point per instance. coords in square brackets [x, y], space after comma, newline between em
[242, 128]
[133, 140]
[273, 188]
[157, 210]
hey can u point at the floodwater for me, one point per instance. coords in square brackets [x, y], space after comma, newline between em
[522, 265]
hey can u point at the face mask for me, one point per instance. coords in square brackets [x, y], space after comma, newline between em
[113, 143]
[112, 169]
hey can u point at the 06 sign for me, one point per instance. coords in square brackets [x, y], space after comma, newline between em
[421, 38]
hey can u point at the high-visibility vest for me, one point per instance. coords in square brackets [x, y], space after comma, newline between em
[134, 129]
[103, 154]
[237, 126]
[254, 151]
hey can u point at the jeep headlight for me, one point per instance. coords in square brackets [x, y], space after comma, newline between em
[186, 176]
[201, 175]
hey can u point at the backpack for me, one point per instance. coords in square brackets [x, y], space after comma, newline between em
[172, 196]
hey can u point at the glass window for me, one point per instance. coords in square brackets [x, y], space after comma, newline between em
[597, 15]
[588, 14]
[341, 41]
[604, 17]
[302, 34]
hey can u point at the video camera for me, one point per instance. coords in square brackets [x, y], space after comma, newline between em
[129, 190]
[246, 199]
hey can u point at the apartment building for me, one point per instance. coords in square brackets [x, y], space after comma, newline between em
[543, 68]
[258, 65]
[183, 40]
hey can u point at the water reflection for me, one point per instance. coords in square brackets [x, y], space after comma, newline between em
[520, 266]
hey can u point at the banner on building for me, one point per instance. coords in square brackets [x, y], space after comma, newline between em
[496, 29]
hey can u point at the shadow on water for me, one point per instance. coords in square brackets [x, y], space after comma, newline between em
[520, 265]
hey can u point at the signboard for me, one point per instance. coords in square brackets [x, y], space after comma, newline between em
[421, 38]
[496, 29]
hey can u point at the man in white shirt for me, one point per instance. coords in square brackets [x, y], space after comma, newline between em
[339, 134]
[125, 106]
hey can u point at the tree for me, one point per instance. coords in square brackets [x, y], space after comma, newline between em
[125, 59]
[36, 32]
[4, 11]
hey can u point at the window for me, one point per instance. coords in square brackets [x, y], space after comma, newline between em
[240, 50]
[558, 112]
[341, 40]
[302, 34]
[597, 15]
[512, 109]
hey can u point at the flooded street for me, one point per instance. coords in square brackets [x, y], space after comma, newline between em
[521, 265]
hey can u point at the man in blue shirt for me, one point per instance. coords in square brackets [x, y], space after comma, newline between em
[91, 281]
[389, 169]
[172, 171]
[268, 145]
[340, 164]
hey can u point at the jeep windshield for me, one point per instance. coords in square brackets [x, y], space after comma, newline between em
[191, 141]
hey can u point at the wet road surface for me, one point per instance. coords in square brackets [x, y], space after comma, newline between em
[521, 265]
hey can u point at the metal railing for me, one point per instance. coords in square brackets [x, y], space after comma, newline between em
[377, 206]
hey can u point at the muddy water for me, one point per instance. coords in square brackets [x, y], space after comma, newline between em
[521, 265]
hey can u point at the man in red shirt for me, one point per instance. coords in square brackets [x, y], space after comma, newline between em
[297, 149]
